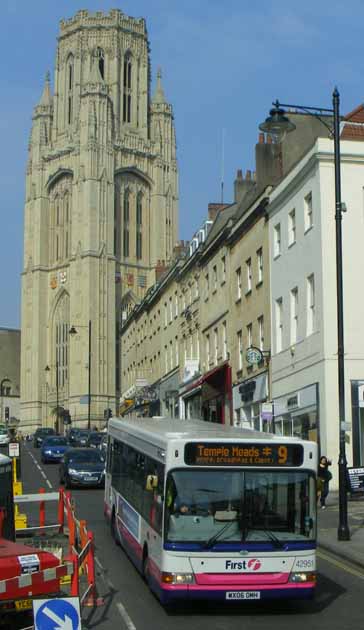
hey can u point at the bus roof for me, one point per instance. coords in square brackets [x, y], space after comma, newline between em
[163, 429]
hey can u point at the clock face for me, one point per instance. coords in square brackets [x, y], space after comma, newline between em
[254, 356]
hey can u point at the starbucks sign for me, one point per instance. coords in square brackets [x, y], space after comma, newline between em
[253, 355]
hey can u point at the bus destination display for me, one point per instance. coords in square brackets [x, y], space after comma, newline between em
[243, 454]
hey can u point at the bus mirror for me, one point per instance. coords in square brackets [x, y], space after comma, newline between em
[152, 482]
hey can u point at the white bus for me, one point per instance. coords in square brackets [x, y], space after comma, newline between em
[213, 512]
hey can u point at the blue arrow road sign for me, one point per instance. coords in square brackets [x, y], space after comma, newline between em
[57, 614]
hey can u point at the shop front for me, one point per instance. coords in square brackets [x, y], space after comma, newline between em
[357, 411]
[209, 397]
[297, 414]
[248, 398]
[168, 394]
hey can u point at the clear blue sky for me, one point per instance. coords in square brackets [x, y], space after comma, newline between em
[223, 63]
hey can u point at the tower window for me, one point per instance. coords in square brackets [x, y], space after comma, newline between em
[69, 90]
[127, 84]
[139, 210]
[126, 224]
[101, 61]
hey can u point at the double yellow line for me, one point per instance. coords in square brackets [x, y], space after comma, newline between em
[341, 564]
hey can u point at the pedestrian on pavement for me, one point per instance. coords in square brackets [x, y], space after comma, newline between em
[324, 477]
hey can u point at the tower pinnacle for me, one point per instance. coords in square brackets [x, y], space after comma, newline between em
[46, 98]
[159, 93]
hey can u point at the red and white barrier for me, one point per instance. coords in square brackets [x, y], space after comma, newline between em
[25, 585]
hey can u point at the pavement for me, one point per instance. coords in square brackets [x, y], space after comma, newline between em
[328, 521]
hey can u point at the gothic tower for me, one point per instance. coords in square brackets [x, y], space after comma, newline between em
[101, 210]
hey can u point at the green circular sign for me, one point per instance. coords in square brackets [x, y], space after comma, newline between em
[254, 355]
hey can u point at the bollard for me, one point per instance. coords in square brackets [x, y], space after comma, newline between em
[42, 514]
[75, 590]
[61, 511]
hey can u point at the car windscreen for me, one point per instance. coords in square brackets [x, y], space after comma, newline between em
[87, 456]
[55, 441]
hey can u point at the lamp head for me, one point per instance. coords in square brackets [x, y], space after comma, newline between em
[277, 125]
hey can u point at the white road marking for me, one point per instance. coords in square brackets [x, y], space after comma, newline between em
[105, 578]
[40, 470]
[128, 622]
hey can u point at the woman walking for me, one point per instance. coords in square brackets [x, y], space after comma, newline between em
[324, 477]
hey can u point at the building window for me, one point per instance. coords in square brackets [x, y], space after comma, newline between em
[177, 357]
[175, 305]
[292, 227]
[197, 346]
[165, 314]
[207, 285]
[248, 266]
[261, 332]
[277, 240]
[216, 345]
[308, 211]
[260, 264]
[240, 349]
[249, 335]
[126, 217]
[171, 353]
[311, 304]
[279, 324]
[238, 283]
[196, 289]
[127, 89]
[166, 359]
[207, 350]
[224, 341]
[139, 221]
[223, 269]
[170, 309]
[214, 276]
[294, 315]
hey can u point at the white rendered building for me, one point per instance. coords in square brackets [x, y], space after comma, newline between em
[303, 299]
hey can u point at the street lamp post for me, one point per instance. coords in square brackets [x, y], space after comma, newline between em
[277, 125]
[73, 331]
[47, 369]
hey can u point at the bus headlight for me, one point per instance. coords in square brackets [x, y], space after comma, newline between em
[178, 578]
[304, 576]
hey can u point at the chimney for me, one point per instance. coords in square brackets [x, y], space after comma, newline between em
[214, 208]
[268, 160]
[241, 185]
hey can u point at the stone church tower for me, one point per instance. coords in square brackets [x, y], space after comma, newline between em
[101, 211]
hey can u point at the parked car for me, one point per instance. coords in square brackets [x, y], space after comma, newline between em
[81, 437]
[41, 434]
[53, 448]
[82, 467]
[4, 435]
[94, 439]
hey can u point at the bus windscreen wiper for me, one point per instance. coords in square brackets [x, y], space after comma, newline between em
[211, 541]
[272, 537]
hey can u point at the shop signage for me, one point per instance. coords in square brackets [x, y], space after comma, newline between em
[253, 355]
[356, 480]
[243, 454]
[191, 368]
[14, 449]
[293, 402]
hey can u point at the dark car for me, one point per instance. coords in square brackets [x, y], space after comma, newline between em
[94, 439]
[82, 467]
[53, 448]
[71, 436]
[81, 437]
[41, 434]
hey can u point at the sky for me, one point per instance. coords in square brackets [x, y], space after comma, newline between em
[223, 63]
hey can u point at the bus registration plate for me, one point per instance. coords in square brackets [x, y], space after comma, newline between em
[243, 595]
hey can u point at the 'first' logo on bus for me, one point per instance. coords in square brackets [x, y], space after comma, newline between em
[243, 565]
